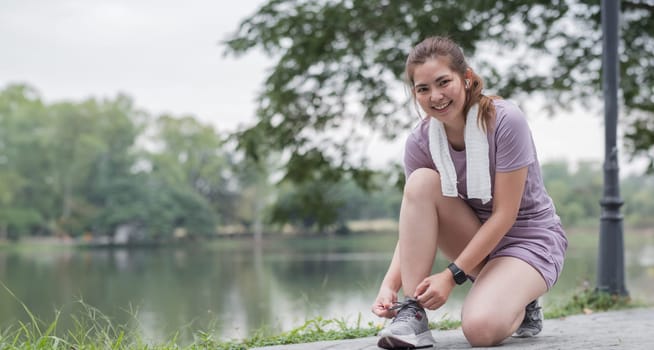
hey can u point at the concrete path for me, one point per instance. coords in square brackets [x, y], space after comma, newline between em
[626, 329]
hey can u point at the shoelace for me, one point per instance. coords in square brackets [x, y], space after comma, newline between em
[409, 303]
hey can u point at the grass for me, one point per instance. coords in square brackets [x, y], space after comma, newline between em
[93, 330]
[317, 329]
[587, 301]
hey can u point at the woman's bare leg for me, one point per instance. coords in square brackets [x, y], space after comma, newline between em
[495, 305]
[429, 220]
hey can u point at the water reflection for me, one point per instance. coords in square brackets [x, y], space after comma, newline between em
[232, 288]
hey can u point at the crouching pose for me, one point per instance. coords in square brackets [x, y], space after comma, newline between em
[474, 192]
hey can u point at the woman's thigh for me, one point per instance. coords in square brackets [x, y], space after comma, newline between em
[494, 307]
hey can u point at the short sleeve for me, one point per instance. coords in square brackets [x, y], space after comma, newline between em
[514, 144]
[415, 156]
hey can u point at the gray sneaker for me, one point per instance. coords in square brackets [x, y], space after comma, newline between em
[532, 324]
[409, 329]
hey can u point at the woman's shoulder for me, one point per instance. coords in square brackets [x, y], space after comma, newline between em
[416, 150]
[417, 142]
[420, 131]
[507, 107]
[508, 114]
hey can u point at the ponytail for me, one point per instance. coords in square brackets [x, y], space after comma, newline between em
[486, 106]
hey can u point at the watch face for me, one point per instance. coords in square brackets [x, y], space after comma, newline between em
[459, 276]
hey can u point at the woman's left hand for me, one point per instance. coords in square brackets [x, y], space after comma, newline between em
[434, 290]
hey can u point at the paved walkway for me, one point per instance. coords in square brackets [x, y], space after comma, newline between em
[626, 329]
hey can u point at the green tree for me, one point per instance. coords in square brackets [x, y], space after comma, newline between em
[189, 157]
[576, 195]
[312, 207]
[73, 167]
[637, 192]
[251, 180]
[154, 208]
[339, 64]
[26, 196]
[90, 144]
[382, 202]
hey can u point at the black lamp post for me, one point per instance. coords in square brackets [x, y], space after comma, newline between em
[610, 276]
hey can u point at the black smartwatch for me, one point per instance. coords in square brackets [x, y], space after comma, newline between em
[460, 277]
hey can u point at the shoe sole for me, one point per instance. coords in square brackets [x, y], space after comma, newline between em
[526, 334]
[420, 341]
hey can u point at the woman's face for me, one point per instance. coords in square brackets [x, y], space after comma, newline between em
[439, 90]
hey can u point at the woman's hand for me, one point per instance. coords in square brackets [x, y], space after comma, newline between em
[385, 299]
[434, 290]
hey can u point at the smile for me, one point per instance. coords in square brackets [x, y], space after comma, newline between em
[441, 106]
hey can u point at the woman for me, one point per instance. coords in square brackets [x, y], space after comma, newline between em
[473, 191]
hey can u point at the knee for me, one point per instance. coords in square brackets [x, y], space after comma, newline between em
[422, 183]
[483, 329]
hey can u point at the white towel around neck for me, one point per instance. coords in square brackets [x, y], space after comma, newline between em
[477, 170]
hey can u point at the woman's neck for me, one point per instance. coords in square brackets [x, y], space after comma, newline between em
[455, 134]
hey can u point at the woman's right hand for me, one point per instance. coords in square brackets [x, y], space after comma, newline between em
[385, 299]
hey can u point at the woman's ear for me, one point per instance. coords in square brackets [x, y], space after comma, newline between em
[468, 74]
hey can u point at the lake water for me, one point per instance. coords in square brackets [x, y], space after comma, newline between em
[232, 288]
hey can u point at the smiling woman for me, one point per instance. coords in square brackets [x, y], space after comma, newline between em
[474, 191]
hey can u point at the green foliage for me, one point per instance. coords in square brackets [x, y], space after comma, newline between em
[19, 220]
[638, 192]
[339, 66]
[155, 207]
[22, 185]
[94, 330]
[323, 206]
[445, 324]
[587, 300]
[189, 173]
[310, 206]
[576, 194]
[317, 329]
[381, 202]
[71, 168]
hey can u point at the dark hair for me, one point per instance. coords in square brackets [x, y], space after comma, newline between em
[437, 46]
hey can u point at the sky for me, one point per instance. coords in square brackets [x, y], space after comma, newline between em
[167, 56]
